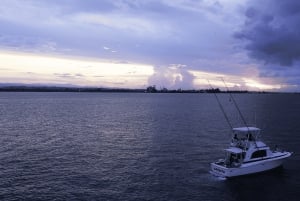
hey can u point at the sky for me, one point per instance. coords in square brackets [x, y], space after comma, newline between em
[251, 44]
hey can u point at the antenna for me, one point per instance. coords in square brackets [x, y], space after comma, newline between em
[220, 105]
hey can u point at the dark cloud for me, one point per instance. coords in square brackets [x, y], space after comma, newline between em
[271, 31]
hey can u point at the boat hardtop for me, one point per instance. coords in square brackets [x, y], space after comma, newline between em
[246, 129]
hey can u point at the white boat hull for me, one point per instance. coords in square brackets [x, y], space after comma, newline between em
[250, 167]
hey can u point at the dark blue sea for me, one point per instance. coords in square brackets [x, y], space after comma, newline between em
[136, 146]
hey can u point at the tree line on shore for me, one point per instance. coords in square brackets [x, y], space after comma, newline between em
[149, 89]
[153, 89]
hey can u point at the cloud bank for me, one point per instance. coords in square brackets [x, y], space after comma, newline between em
[271, 36]
[272, 31]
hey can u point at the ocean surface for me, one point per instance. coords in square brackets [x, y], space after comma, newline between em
[135, 146]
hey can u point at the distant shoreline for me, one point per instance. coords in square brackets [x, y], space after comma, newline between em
[150, 89]
[63, 89]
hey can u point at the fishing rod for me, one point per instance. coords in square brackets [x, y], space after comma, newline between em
[220, 105]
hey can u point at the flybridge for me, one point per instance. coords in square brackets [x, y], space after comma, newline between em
[246, 130]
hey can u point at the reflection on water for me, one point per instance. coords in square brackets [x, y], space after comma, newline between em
[110, 146]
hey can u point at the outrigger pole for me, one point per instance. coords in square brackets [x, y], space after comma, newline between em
[235, 104]
[238, 109]
[221, 106]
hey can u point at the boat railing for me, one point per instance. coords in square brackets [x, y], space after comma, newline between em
[278, 149]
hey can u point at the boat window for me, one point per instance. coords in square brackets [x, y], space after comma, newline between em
[259, 154]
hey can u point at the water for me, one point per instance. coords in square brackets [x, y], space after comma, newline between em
[110, 146]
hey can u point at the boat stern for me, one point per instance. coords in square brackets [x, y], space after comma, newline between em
[218, 169]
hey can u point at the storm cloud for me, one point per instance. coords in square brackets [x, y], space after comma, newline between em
[271, 31]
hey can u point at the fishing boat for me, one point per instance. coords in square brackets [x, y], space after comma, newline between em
[247, 154]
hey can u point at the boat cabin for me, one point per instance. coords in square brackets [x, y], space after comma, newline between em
[235, 156]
